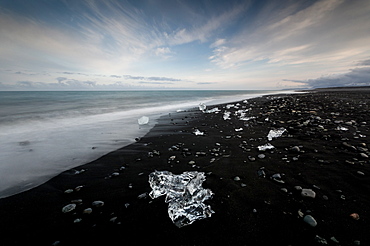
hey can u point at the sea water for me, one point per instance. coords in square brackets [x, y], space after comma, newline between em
[45, 133]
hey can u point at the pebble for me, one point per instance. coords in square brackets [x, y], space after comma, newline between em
[98, 204]
[360, 173]
[68, 191]
[87, 211]
[355, 216]
[298, 187]
[308, 193]
[236, 178]
[310, 220]
[68, 208]
[295, 149]
[261, 156]
[363, 155]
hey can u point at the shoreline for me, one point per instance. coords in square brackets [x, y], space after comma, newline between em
[252, 210]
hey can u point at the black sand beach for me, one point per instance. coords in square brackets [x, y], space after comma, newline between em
[325, 148]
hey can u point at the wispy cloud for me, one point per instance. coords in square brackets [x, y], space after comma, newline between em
[298, 34]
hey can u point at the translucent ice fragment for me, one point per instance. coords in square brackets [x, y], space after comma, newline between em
[143, 120]
[198, 133]
[202, 107]
[227, 115]
[184, 195]
[265, 147]
[275, 133]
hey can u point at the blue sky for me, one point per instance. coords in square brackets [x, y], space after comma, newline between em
[174, 44]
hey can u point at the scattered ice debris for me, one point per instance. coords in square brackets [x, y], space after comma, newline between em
[227, 115]
[202, 107]
[184, 195]
[68, 208]
[275, 133]
[265, 147]
[143, 120]
[198, 133]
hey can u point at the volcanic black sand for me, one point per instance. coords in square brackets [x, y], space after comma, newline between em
[325, 148]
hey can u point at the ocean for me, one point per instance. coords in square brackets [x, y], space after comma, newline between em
[45, 133]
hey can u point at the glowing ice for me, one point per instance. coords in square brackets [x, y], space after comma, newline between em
[143, 120]
[184, 195]
[275, 133]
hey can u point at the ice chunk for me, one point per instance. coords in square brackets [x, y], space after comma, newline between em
[214, 110]
[198, 133]
[143, 120]
[202, 107]
[265, 147]
[275, 133]
[227, 115]
[184, 193]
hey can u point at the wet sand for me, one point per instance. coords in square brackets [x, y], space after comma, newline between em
[325, 148]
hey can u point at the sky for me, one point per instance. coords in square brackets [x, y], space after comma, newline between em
[183, 44]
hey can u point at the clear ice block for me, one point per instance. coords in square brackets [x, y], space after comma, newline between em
[184, 195]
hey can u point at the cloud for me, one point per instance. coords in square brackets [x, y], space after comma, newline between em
[155, 83]
[129, 77]
[163, 52]
[206, 83]
[288, 33]
[364, 63]
[60, 79]
[356, 77]
[116, 76]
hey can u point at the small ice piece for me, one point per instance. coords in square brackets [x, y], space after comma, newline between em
[247, 118]
[143, 120]
[239, 129]
[265, 147]
[227, 115]
[214, 110]
[202, 107]
[275, 133]
[198, 133]
[184, 195]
